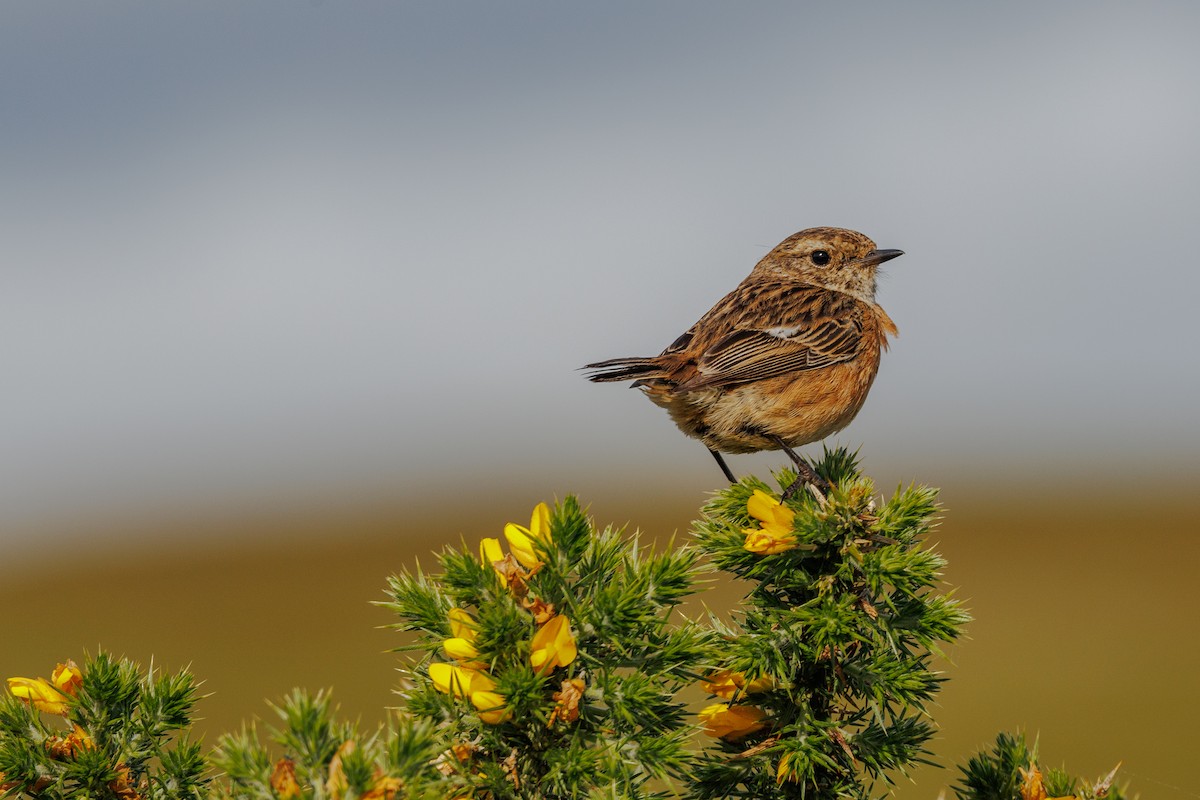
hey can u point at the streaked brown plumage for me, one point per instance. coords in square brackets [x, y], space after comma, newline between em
[784, 359]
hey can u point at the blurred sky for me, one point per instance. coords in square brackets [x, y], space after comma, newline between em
[268, 250]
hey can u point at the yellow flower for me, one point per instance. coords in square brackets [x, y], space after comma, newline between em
[726, 683]
[784, 773]
[491, 707]
[490, 553]
[473, 684]
[41, 693]
[521, 540]
[721, 684]
[759, 684]
[461, 645]
[516, 568]
[769, 511]
[452, 678]
[764, 543]
[461, 650]
[732, 722]
[67, 678]
[462, 624]
[553, 645]
[775, 533]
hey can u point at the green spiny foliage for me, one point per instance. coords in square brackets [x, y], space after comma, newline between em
[1010, 771]
[105, 730]
[827, 671]
[323, 757]
[554, 671]
[560, 675]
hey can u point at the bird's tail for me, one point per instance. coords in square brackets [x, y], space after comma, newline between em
[625, 369]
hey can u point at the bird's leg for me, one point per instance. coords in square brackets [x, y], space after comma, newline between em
[804, 472]
[724, 467]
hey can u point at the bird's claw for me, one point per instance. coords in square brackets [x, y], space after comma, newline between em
[807, 476]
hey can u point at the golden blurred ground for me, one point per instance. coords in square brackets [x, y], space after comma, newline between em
[1086, 631]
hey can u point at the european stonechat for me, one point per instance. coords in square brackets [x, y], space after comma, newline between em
[783, 360]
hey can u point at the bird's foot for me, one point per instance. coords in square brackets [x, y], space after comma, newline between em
[807, 476]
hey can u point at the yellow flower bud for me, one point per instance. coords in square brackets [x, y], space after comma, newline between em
[462, 624]
[726, 683]
[539, 523]
[553, 645]
[461, 646]
[40, 693]
[491, 707]
[521, 545]
[732, 722]
[782, 772]
[760, 684]
[521, 540]
[490, 553]
[67, 678]
[460, 649]
[721, 684]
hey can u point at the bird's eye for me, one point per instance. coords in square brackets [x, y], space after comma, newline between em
[820, 257]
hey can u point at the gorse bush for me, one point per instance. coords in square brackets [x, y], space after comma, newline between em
[1010, 770]
[554, 668]
[558, 662]
[829, 656]
[328, 758]
[106, 730]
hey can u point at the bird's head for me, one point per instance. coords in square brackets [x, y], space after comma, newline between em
[836, 258]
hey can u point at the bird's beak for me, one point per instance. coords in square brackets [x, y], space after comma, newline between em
[877, 257]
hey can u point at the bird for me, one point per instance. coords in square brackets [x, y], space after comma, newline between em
[784, 360]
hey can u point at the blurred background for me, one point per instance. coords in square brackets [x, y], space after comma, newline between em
[292, 294]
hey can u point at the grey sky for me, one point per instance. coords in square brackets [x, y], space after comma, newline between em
[263, 247]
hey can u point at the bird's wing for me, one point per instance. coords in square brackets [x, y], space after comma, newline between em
[781, 329]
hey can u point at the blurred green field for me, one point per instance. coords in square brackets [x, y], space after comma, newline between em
[1085, 628]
